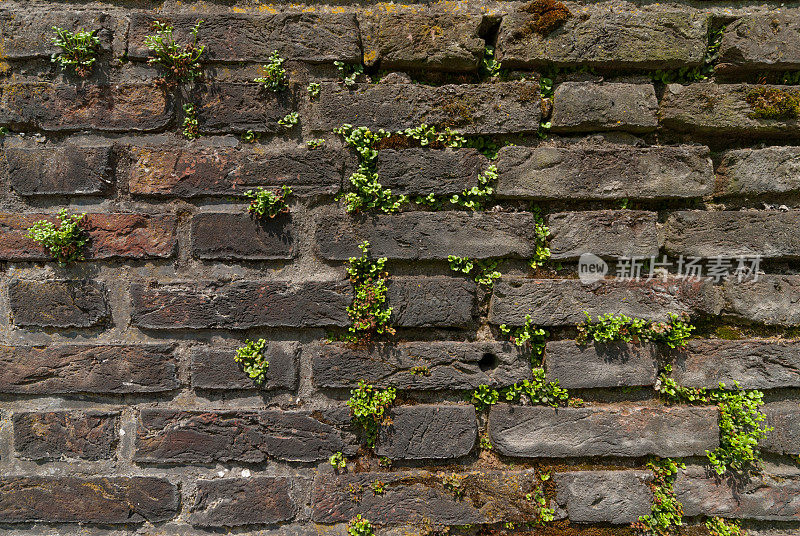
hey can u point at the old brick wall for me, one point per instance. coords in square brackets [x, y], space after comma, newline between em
[121, 407]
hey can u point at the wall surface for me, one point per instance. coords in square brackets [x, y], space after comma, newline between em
[628, 129]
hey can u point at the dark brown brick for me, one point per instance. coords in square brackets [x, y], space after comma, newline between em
[617, 497]
[55, 170]
[418, 171]
[772, 299]
[110, 500]
[88, 435]
[231, 107]
[214, 368]
[589, 106]
[784, 419]
[234, 502]
[428, 432]
[242, 237]
[431, 301]
[29, 34]
[601, 365]
[606, 233]
[58, 304]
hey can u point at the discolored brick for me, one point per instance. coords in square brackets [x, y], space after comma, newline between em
[58, 304]
[88, 435]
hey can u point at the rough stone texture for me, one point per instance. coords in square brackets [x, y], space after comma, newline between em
[211, 368]
[428, 39]
[167, 171]
[772, 299]
[27, 35]
[775, 496]
[772, 170]
[58, 304]
[441, 365]
[428, 432]
[427, 235]
[768, 234]
[604, 171]
[431, 301]
[110, 500]
[45, 436]
[197, 437]
[784, 418]
[499, 108]
[234, 107]
[419, 496]
[601, 365]
[617, 497]
[242, 237]
[606, 233]
[589, 106]
[755, 364]
[48, 370]
[543, 432]
[418, 171]
[761, 42]
[607, 37]
[64, 169]
[233, 502]
[558, 302]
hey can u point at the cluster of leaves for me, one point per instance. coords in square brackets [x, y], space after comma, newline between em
[542, 232]
[427, 135]
[611, 327]
[338, 461]
[274, 78]
[685, 75]
[719, 527]
[289, 120]
[369, 313]
[544, 514]
[316, 143]
[268, 203]
[253, 361]
[67, 242]
[476, 197]
[182, 62]
[773, 103]
[190, 125]
[528, 334]
[485, 274]
[360, 526]
[349, 72]
[666, 513]
[538, 391]
[250, 136]
[370, 408]
[454, 483]
[490, 67]
[313, 89]
[78, 50]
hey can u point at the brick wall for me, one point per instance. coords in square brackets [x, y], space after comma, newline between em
[121, 407]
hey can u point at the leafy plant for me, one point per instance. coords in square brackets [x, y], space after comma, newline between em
[268, 203]
[613, 327]
[250, 136]
[542, 232]
[454, 483]
[369, 313]
[666, 513]
[253, 361]
[484, 396]
[378, 487]
[275, 78]
[529, 333]
[719, 527]
[486, 273]
[539, 391]
[313, 90]
[544, 514]
[78, 50]
[490, 68]
[420, 371]
[476, 197]
[315, 143]
[3, 132]
[182, 62]
[67, 242]
[427, 135]
[370, 408]
[289, 120]
[349, 72]
[190, 123]
[338, 461]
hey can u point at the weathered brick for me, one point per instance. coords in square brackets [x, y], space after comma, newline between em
[755, 364]
[179, 437]
[544, 432]
[109, 500]
[234, 502]
[772, 299]
[428, 432]
[761, 42]
[784, 418]
[240, 304]
[558, 302]
[499, 108]
[418, 171]
[68, 369]
[427, 39]
[607, 233]
[718, 109]
[601, 365]
[771, 496]
[64, 169]
[431, 301]
[167, 171]
[29, 34]
[445, 365]
[214, 368]
[606, 37]
[700, 233]
[53, 107]
[58, 304]
[604, 171]
[231, 107]
[232, 37]
[420, 496]
[243, 237]
[427, 235]
[588, 106]
[617, 497]
[772, 170]
[89, 435]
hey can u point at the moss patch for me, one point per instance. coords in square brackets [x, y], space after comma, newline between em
[773, 103]
[547, 16]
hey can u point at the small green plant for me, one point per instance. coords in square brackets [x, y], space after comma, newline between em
[484, 396]
[476, 197]
[528, 334]
[289, 120]
[349, 72]
[539, 391]
[420, 371]
[666, 513]
[316, 143]
[313, 90]
[610, 327]
[359, 526]
[542, 252]
[253, 361]
[454, 483]
[182, 62]
[484, 442]
[338, 461]
[369, 313]
[486, 273]
[490, 67]
[274, 78]
[719, 527]
[544, 514]
[67, 242]
[378, 487]
[3, 132]
[250, 136]
[268, 203]
[384, 461]
[190, 124]
[78, 50]
[370, 408]
[427, 135]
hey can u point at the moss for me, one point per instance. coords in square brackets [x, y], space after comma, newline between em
[729, 333]
[459, 110]
[773, 103]
[547, 16]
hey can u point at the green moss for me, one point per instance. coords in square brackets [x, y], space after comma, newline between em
[773, 103]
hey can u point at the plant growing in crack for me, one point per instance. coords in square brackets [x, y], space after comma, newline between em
[66, 243]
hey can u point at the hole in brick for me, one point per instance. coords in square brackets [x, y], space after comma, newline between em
[488, 362]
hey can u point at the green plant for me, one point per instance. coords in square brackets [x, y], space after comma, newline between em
[316, 143]
[289, 120]
[427, 135]
[274, 78]
[486, 273]
[666, 512]
[490, 68]
[529, 333]
[539, 391]
[542, 231]
[454, 483]
[420, 371]
[384, 461]
[268, 203]
[253, 361]
[338, 461]
[370, 408]
[250, 136]
[543, 514]
[67, 242]
[359, 526]
[773, 103]
[78, 50]
[719, 527]
[369, 313]
[313, 90]
[3, 132]
[378, 487]
[610, 327]
[182, 62]
[190, 124]
[484, 396]
[484, 442]
[476, 197]
[349, 72]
